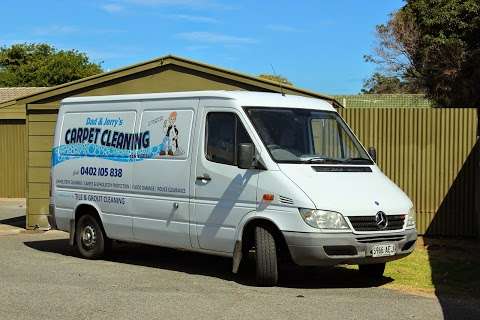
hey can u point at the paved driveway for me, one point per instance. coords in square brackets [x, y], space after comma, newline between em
[40, 278]
[12, 215]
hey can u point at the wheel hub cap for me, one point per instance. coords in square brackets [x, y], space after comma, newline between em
[88, 237]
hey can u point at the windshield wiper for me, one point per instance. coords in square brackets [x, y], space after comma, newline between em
[323, 160]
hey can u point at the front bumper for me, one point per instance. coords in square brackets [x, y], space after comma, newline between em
[326, 249]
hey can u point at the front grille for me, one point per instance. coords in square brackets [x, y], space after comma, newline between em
[368, 223]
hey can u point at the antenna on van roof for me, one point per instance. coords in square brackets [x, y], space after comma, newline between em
[279, 82]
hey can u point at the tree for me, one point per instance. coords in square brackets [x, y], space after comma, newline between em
[381, 84]
[280, 79]
[447, 51]
[434, 45]
[42, 65]
[396, 42]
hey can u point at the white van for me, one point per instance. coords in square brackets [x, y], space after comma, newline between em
[225, 173]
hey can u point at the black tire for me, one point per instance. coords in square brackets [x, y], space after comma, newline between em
[90, 240]
[372, 271]
[265, 257]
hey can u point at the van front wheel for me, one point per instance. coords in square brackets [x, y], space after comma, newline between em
[89, 238]
[265, 257]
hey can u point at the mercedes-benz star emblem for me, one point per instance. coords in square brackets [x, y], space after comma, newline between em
[381, 220]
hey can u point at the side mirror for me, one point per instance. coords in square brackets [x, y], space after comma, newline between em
[245, 155]
[373, 153]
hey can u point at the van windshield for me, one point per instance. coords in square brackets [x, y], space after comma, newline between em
[306, 136]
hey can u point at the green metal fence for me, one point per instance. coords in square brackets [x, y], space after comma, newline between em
[384, 101]
[432, 155]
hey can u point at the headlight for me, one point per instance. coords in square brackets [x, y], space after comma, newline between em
[411, 218]
[321, 219]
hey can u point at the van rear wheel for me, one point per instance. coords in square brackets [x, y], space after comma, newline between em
[373, 271]
[90, 241]
[265, 257]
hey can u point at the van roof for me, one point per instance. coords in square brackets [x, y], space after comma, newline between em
[244, 98]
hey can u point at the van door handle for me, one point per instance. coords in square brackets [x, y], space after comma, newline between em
[205, 177]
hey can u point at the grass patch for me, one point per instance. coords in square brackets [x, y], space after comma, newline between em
[441, 266]
[413, 272]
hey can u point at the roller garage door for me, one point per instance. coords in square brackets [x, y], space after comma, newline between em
[12, 158]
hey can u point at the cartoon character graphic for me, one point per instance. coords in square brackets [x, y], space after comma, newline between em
[170, 141]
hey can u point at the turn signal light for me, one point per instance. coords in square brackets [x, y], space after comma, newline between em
[268, 197]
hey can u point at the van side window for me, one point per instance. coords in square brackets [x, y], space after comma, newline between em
[224, 131]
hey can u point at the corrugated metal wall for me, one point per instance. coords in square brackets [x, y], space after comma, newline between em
[431, 154]
[12, 158]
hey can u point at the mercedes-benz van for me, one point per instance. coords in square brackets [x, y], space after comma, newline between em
[225, 173]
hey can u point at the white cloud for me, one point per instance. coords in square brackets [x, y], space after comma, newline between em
[116, 6]
[54, 30]
[198, 4]
[112, 7]
[102, 31]
[191, 18]
[197, 47]
[282, 28]
[111, 52]
[164, 2]
[214, 38]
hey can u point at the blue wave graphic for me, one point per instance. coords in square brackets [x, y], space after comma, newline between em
[80, 150]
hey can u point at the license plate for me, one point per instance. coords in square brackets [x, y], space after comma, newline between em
[383, 250]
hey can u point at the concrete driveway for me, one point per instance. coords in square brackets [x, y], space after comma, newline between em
[40, 278]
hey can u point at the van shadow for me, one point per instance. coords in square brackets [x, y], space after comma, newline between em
[229, 199]
[291, 276]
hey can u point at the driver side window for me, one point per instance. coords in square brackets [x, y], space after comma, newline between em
[224, 132]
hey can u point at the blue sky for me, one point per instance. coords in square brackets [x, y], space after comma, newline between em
[318, 45]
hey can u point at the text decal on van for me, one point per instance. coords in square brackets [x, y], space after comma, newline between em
[111, 136]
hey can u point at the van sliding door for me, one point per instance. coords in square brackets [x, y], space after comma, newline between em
[162, 167]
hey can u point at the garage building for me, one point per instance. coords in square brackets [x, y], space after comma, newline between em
[27, 123]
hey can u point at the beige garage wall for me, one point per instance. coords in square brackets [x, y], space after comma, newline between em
[41, 127]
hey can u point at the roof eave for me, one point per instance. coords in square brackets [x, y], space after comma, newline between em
[158, 62]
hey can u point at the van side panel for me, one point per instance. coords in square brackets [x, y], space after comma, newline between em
[161, 181]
